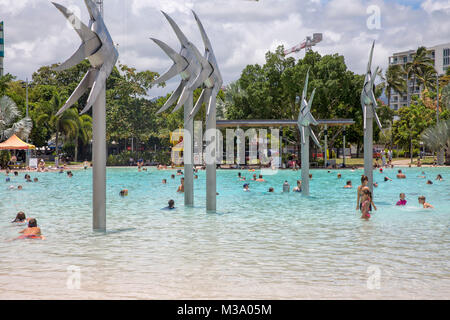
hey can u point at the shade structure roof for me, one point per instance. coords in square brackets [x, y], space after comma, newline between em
[15, 143]
[279, 123]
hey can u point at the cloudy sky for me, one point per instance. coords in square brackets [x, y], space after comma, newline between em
[241, 31]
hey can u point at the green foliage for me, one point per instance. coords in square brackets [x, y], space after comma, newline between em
[413, 121]
[123, 158]
[5, 156]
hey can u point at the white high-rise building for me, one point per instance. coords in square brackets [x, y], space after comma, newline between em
[441, 57]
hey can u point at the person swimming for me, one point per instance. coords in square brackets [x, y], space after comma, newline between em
[32, 231]
[123, 192]
[20, 218]
[35, 180]
[422, 201]
[429, 182]
[181, 186]
[171, 204]
[298, 188]
[401, 175]
[402, 201]
[164, 181]
[439, 177]
[348, 185]
[271, 190]
[246, 187]
[387, 179]
[339, 176]
[19, 188]
[260, 179]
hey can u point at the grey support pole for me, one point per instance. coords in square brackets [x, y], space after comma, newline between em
[305, 165]
[188, 153]
[368, 148]
[99, 162]
[211, 187]
[27, 160]
[343, 147]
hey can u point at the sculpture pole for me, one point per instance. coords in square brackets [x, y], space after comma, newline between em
[188, 156]
[305, 165]
[305, 120]
[368, 148]
[99, 162]
[211, 186]
[369, 103]
[97, 46]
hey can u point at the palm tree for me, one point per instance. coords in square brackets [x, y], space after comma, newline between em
[438, 137]
[417, 67]
[427, 79]
[66, 123]
[9, 120]
[84, 132]
[394, 81]
[446, 96]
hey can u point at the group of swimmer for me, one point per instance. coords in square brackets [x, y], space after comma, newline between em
[16, 174]
[32, 231]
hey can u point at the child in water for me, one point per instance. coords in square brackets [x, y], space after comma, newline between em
[365, 206]
[402, 201]
[423, 202]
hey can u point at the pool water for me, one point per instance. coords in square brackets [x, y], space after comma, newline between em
[259, 245]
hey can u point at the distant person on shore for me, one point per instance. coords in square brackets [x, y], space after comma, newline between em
[181, 186]
[390, 156]
[32, 231]
[422, 201]
[298, 188]
[402, 201]
[348, 185]
[401, 175]
[85, 164]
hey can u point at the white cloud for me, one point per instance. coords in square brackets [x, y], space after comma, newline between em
[241, 31]
[435, 5]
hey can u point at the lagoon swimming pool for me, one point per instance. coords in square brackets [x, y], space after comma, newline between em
[258, 246]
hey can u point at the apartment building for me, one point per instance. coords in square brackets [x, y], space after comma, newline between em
[441, 57]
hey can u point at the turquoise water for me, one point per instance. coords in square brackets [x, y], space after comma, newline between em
[259, 245]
